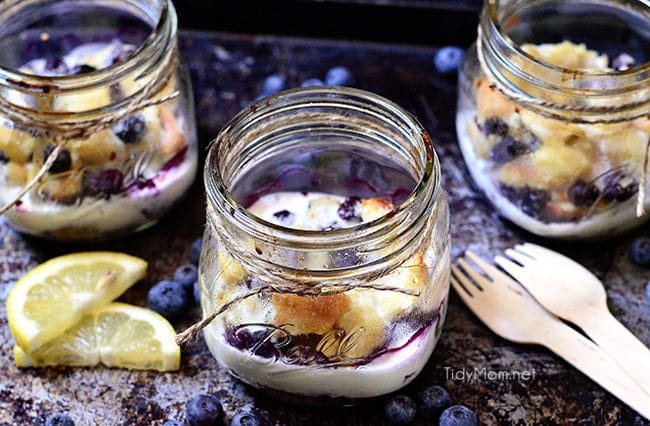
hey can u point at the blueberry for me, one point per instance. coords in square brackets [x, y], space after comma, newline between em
[173, 423]
[273, 84]
[640, 252]
[245, 340]
[617, 191]
[196, 291]
[131, 129]
[432, 401]
[583, 194]
[204, 410]
[168, 298]
[647, 291]
[3, 158]
[312, 82]
[350, 209]
[338, 76]
[196, 251]
[458, 415]
[400, 410]
[508, 150]
[622, 62]
[305, 355]
[56, 66]
[246, 418]
[106, 182]
[186, 275]
[63, 161]
[59, 419]
[122, 53]
[285, 216]
[531, 201]
[82, 69]
[448, 59]
[495, 126]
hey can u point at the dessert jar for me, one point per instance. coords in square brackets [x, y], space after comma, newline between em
[97, 131]
[327, 249]
[553, 114]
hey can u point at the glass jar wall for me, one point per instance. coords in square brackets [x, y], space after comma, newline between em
[327, 246]
[553, 114]
[99, 87]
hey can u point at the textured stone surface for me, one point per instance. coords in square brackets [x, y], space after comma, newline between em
[228, 72]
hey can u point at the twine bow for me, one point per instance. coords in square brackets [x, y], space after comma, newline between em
[64, 131]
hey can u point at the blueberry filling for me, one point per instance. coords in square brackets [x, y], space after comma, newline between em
[508, 150]
[63, 161]
[495, 126]
[256, 341]
[284, 216]
[350, 209]
[122, 53]
[529, 200]
[619, 187]
[3, 158]
[583, 194]
[623, 62]
[106, 182]
[131, 129]
[56, 66]
[82, 69]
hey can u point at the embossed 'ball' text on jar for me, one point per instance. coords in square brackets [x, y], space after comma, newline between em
[327, 248]
[97, 131]
[554, 114]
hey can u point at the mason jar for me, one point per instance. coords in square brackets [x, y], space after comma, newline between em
[325, 259]
[97, 131]
[553, 114]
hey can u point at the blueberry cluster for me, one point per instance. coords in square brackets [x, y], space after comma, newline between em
[206, 410]
[172, 298]
[433, 403]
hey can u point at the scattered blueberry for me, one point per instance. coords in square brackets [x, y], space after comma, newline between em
[495, 126]
[63, 161]
[106, 182]
[82, 69]
[203, 410]
[531, 201]
[312, 82]
[583, 194]
[246, 418]
[3, 158]
[122, 53]
[619, 187]
[647, 291]
[508, 150]
[131, 129]
[168, 298]
[56, 66]
[273, 84]
[432, 401]
[400, 410]
[458, 415]
[196, 251]
[338, 76]
[640, 252]
[448, 59]
[59, 419]
[173, 423]
[284, 216]
[197, 292]
[187, 276]
[623, 62]
[350, 209]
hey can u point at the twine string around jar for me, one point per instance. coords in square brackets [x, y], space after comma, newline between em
[640, 201]
[64, 131]
[298, 289]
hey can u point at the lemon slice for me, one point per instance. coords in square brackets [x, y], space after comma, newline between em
[117, 335]
[55, 295]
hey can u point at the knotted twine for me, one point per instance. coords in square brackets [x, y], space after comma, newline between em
[63, 131]
[640, 201]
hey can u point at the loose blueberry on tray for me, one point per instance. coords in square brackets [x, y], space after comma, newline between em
[640, 252]
[247, 418]
[447, 60]
[204, 410]
[59, 419]
[186, 275]
[458, 415]
[400, 410]
[168, 298]
[338, 76]
[432, 401]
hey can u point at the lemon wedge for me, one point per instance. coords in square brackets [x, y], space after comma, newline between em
[117, 335]
[54, 296]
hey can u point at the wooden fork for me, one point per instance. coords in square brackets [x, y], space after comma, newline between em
[570, 291]
[509, 311]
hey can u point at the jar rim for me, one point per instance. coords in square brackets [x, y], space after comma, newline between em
[151, 47]
[427, 186]
[499, 31]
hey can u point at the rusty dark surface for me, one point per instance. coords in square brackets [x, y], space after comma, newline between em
[228, 72]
